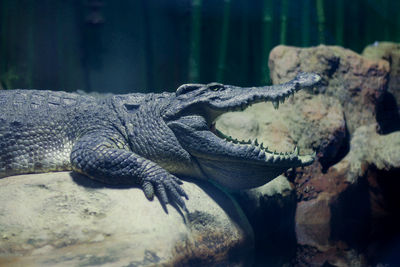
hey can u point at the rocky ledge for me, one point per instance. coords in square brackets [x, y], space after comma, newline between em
[55, 219]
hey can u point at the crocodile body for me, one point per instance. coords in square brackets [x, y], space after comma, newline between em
[143, 139]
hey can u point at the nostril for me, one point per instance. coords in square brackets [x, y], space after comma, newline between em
[215, 86]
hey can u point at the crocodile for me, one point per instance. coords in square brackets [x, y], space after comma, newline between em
[147, 140]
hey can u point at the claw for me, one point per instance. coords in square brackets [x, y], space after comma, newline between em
[148, 190]
[276, 104]
[181, 204]
[172, 189]
[167, 188]
[181, 191]
[162, 193]
[184, 208]
[177, 180]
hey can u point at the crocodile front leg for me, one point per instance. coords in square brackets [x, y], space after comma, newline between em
[104, 156]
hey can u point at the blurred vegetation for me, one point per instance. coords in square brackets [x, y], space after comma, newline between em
[8, 78]
[155, 45]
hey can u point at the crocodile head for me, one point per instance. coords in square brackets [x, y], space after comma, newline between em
[234, 164]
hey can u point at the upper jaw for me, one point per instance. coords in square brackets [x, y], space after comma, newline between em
[239, 98]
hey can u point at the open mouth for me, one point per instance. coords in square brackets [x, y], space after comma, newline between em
[213, 145]
[260, 152]
[252, 143]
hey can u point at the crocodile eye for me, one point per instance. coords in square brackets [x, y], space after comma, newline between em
[215, 86]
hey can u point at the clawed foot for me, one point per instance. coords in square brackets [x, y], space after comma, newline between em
[167, 188]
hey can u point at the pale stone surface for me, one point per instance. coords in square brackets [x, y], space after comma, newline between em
[369, 148]
[239, 125]
[55, 220]
[279, 186]
[253, 200]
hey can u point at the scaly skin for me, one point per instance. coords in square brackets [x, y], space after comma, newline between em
[143, 139]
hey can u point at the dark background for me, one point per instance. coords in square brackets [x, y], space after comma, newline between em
[125, 46]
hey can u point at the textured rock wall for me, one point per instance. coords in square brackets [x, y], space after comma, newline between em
[388, 112]
[356, 82]
[342, 203]
[344, 209]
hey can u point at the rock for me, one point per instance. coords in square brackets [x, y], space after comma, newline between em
[313, 221]
[242, 126]
[268, 128]
[391, 53]
[347, 199]
[269, 204]
[355, 201]
[389, 111]
[384, 208]
[277, 188]
[335, 256]
[368, 148]
[331, 227]
[270, 209]
[54, 219]
[356, 82]
[317, 123]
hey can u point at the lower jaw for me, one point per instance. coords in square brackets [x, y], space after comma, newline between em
[239, 175]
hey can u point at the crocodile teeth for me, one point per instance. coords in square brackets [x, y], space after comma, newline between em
[276, 104]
